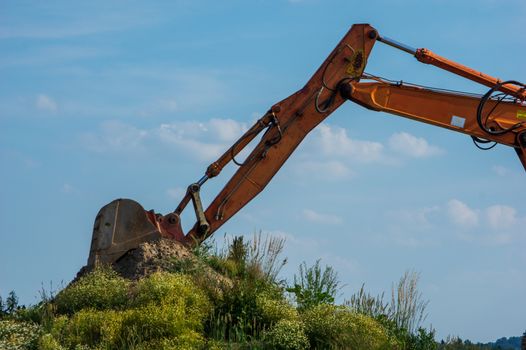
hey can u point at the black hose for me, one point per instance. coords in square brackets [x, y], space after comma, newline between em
[482, 103]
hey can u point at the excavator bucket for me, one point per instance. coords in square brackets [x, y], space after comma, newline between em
[119, 227]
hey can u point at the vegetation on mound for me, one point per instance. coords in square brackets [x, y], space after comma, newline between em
[241, 305]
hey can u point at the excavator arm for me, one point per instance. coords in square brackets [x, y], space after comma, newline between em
[123, 224]
[453, 111]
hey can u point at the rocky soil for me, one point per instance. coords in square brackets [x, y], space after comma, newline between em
[150, 257]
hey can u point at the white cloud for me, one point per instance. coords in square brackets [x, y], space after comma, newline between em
[46, 103]
[460, 214]
[205, 140]
[115, 136]
[203, 151]
[320, 218]
[412, 146]
[501, 216]
[416, 218]
[495, 224]
[333, 141]
[227, 129]
[498, 224]
[186, 86]
[328, 170]
[414, 227]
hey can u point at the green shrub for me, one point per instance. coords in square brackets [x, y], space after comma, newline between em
[314, 286]
[363, 332]
[273, 310]
[335, 327]
[154, 322]
[101, 289]
[322, 325]
[166, 311]
[173, 289]
[170, 325]
[90, 327]
[288, 335]
[19, 335]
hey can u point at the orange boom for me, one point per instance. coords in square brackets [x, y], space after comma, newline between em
[499, 116]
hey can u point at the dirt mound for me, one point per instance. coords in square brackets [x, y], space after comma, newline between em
[166, 255]
[147, 258]
[150, 257]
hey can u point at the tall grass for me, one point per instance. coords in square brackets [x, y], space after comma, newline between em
[253, 267]
[264, 253]
[407, 308]
[367, 304]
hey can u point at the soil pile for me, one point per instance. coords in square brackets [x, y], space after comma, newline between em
[150, 257]
[165, 255]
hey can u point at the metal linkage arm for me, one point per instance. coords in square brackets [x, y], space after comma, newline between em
[287, 123]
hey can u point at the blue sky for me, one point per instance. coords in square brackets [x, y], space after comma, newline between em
[108, 99]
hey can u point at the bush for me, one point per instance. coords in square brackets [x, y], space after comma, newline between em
[322, 325]
[171, 322]
[166, 311]
[19, 335]
[330, 327]
[165, 324]
[273, 310]
[288, 335]
[365, 333]
[170, 288]
[89, 327]
[313, 286]
[101, 289]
